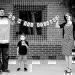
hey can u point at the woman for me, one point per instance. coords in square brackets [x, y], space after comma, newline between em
[68, 41]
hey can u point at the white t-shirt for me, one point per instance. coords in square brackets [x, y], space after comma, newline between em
[4, 30]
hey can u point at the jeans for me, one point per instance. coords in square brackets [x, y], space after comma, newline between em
[4, 56]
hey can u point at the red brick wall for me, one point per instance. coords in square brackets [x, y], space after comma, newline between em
[47, 46]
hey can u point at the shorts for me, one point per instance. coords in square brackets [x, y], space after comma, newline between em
[23, 52]
[22, 58]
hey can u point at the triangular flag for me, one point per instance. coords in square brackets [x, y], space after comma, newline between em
[51, 21]
[28, 24]
[25, 23]
[13, 18]
[54, 20]
[38, 24]
[19, 21]
[10, 15]
[47, 23]
[44, 23]
[57, 17]
[57, 24]
[32, 24]
[41, 24]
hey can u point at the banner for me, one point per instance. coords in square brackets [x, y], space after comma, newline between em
[29, 24]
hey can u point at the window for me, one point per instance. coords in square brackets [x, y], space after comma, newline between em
[30, 16]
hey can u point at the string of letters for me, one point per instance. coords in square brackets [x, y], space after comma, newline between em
[31, 24]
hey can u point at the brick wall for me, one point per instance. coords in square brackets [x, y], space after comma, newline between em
[46, 46]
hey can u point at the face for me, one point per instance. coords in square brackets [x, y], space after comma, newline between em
[22, 37]
[68, 17]
[1, 12]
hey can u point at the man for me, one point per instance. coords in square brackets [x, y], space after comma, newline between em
[4, 40]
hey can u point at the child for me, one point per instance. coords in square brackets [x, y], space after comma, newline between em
[22, 47]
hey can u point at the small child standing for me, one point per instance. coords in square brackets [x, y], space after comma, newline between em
[22, 48]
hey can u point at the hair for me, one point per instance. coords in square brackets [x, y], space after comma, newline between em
[22, 34]
[2, 9]
[65, 16]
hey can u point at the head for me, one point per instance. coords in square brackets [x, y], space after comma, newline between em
[22, 37]
[67, 17]
[2, 12]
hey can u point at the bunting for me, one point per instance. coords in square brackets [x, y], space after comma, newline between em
[30, 24]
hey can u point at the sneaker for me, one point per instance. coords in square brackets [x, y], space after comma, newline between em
[18, 69]
[25, 69]
[69, 70]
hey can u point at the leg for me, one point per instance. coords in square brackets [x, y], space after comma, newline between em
[25, 62]
[5, 58]
[70, 62]
[67, 62]
[19, 62]
[0, 59]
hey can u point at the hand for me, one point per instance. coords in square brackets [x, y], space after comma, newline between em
[17, 53]
[26, 45]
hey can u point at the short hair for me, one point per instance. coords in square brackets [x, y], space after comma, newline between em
[22, 34]
[65, 18]
[2, 9]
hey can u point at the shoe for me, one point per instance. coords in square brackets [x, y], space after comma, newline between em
[18, 69]
[68, 70]
[5, 70]
[25, 69]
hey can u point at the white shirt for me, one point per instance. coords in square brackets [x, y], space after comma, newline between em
[4, 30]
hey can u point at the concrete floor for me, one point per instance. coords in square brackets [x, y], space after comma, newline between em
[42, 67]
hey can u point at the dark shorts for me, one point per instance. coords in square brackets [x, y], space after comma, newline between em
[23, 52]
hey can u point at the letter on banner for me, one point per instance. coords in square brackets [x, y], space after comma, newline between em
[38, 24]
[31, 24]
[41, 24]
[25, 23]
[47, 23]
[54, 20]
[10, 15]
[19, 21]
[51, 21]
[13, 18]
[28, 24]
[57, 17]
[44, 23]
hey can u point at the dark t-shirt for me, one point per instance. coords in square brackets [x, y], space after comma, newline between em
[22, 47]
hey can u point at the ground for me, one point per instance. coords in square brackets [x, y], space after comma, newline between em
[43, 67]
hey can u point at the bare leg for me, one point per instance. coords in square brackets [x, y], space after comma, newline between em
[67, 62]
[70, 62]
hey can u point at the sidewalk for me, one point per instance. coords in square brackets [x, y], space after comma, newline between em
[45, 67]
